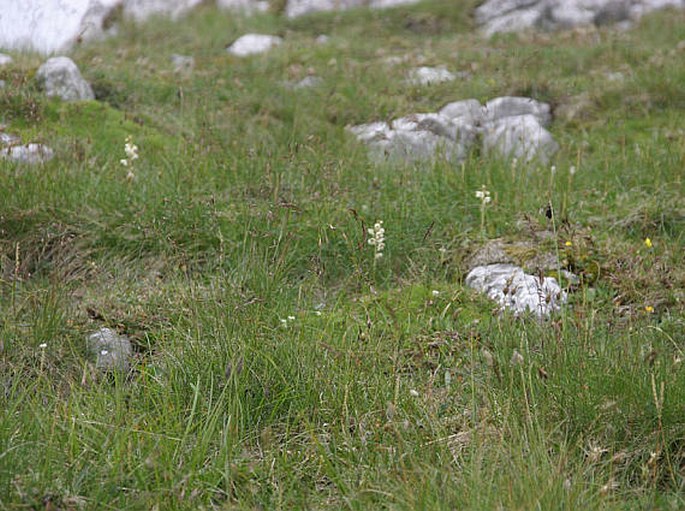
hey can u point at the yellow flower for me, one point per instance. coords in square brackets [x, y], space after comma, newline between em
[648, 243]
[568, 244]
[649, 309]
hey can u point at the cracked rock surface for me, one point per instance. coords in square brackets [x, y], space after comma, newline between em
[517, 291]
[60, 77]
[499, 16]
[507, 127]
[111, 351]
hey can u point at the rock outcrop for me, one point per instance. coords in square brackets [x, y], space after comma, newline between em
[514, 290]
[253, 44]
[55, 26]
[417, 137]
[508, 127]
[60, 77]
[31, 154]
[111, 351]
[498, 16]
[429, 75]
[295, 8]
[521, 137]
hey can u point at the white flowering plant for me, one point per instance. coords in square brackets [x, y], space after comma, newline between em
[131, 151]
[377, 239]
[484, 195]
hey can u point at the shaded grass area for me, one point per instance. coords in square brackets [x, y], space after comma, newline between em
[277, 365]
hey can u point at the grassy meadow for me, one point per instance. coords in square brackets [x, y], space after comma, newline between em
[278, 364]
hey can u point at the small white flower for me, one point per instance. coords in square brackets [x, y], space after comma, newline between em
[435, 292]
[291, 318]
[484, 195]
[104, 352]
[377, 238]
[413, 393]
[43, 345]
[572, 170]
[131, 151]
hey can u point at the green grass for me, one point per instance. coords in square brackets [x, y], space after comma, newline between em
[250, 205]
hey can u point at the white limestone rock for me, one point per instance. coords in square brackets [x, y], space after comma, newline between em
[521, 137]
[510, 106]
[253, 44]
[417, 137]
[245, 6]
[370, 132]
[295, 8]
[509, 127]
[499, 16]
[430, 75]
[30, 154]
[55, 26]
[50, 26]
[111, 351]
[516, 21]
[60, 77]
[8, 139]
[469, 111]
[140, 10]
[512, 289]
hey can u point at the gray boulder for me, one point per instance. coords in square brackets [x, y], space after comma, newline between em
[31, 154]
[512, 289]
[496, 16]
[430, 75]
[509, 106]
[7, 139]
[246, 6]
[521, 137]
[60, 77]
[451, 133]
[468, 110]
[55, 26]
[253, 44]
[417, 137]
[49, 26]
[295, 8]
[111, 351]
[140, 10]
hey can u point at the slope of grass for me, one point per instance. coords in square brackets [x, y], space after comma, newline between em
[277, 364]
